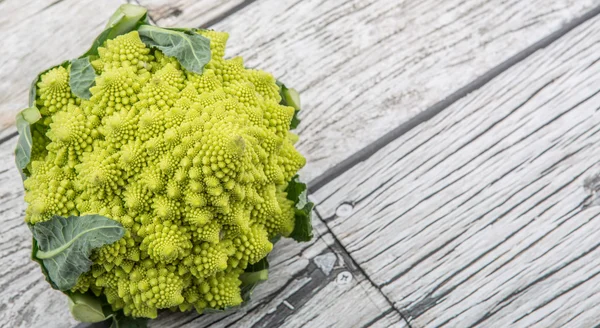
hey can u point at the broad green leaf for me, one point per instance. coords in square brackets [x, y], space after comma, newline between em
[25, 118]
[126, 19]
[33, 91]
[86, 308]
[254, 275]
[82, 77]
[290, 97]
[192, 50]
[275, 239]
[296, 191]
[65, 245]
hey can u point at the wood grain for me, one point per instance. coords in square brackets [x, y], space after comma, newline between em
[364, 66]
[181, 12]
[39, 34]
[299, 276]
[484, 216]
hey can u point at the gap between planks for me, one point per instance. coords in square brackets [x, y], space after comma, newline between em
[361, 270]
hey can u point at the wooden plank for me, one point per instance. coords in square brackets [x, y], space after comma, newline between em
[193, 13]
[306, 283]
[364, 66]
[487, 214]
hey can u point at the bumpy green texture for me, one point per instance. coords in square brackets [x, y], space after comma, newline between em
[195, 167]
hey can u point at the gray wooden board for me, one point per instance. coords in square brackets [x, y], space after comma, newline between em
[38, 34]
[177, 13]
[306, 284]
[365, 66]
[487, 215]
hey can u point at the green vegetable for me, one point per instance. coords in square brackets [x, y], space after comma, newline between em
[159, 174]
[65, 245]
[24, 120]
[82, 77]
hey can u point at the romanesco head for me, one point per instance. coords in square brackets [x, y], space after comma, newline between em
[194, 166]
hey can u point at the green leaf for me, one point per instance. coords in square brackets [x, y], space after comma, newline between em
[258, 266]
[122, 321]
[34, 249]
[86, 308]
[125, 19]
[65, 245]
[290, 97]
[82, 77]
[296, 191]
[192, 50]
[249, 278]
[25, 118]
[254, 275]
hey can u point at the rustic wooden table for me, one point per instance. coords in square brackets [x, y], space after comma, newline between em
[453, 148]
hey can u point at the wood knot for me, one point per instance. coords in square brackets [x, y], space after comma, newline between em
[591, 185]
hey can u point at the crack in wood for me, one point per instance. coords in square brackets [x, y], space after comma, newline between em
[8, 137]
[358, 268]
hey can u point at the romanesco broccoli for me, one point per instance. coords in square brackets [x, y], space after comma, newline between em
[193, 166]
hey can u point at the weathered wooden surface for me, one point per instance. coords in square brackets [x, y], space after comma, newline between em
[485, 215]
[363, 67]
[203, 12]
[38, 34]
